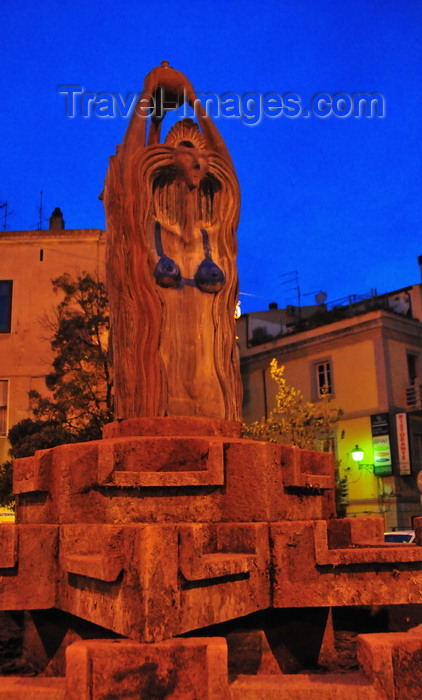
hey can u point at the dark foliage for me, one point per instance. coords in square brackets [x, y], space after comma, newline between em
[80, 383]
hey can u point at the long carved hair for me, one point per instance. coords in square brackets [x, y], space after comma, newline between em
[154, 192]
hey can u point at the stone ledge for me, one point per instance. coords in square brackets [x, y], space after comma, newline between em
[172, 426]
[17, 688]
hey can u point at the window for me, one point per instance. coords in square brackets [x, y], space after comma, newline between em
[323, 379]
[5, 305]
[412, 368]
[328, 444]
[416, 452]
[3, 406]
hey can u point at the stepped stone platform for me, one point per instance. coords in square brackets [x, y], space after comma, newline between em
[128, 553]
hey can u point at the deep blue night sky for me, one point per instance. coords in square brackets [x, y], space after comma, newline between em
[337, 199]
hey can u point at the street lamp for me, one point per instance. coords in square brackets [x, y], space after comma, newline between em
[357, 454]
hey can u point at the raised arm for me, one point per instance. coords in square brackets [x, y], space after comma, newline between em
[176, 90]
[135, 136]
[209, 129]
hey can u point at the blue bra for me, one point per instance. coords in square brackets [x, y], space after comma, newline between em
[209, 278]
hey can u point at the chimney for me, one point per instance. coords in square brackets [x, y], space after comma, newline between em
[273, 305]
[56, 220]
[420, 265]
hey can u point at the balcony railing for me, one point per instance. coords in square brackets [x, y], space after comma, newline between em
[414, 396]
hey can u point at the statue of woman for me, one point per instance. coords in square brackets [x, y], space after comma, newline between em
[172, 211]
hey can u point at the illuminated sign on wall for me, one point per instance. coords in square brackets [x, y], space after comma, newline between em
[380, 427]
[403, 443]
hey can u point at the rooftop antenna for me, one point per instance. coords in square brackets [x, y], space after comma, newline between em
[292, 278]
[40, 220]
[6, 213]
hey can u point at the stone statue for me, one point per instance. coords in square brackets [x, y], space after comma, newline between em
[172, 211]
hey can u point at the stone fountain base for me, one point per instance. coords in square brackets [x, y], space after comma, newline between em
[170, 527]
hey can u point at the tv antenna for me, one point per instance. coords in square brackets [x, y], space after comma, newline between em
[6, 213]
[292, 278]
[40, 214]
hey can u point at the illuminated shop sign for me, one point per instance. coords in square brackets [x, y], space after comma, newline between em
[403, 443]
[380, 426]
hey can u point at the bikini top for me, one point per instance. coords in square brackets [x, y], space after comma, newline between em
[209, 278]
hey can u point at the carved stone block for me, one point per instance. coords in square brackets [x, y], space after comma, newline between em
[306, 469]
[188, 669]
[124, 578]
[392, 662]
[8, 546]
[161, 461]
[28, 566]
[307, 571]
[225, 572]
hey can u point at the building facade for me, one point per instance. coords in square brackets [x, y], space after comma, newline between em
[368, 354]
[29, 261]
